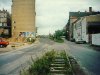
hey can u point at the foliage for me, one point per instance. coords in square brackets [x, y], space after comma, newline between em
[67, 62]
[59, 40]
[57, 36]
[30, 39]
[51, 37]
[42, 66]
[63, 54]
[64, 32]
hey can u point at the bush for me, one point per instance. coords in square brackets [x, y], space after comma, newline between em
[42, 66]
[30, 39]
[59, 40]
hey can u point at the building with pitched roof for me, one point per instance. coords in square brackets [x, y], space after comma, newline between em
[73, 16]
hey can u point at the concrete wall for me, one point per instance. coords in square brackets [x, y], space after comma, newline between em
[96, 39]
[84, 30]
[71, 27]
[23, 16]
[78, 31]
[93, 18]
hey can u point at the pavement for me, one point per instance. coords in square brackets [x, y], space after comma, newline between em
[13, 61]
[87, 56]
[16, 46]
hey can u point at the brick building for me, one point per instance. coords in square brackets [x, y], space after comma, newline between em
[5, 24]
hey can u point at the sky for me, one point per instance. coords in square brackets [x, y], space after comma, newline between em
[52, 15]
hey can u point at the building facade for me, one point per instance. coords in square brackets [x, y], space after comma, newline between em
[5, 24]
[73, 16]
[87, 29]
[92, 29]
[23, 18]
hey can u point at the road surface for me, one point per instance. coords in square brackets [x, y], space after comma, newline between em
[12, 62]
[88, 57]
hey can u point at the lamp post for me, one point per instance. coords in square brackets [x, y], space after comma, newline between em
[36, 31]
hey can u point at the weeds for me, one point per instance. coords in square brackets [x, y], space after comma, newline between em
[41, 66]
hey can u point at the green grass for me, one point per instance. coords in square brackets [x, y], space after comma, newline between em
[59, 40]
[30, 40]
[41, 66]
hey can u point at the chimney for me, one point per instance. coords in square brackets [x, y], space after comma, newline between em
[90, 9]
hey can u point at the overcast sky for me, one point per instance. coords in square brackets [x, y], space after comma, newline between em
[53, 14]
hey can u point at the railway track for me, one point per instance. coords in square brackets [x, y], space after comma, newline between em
[61, 66]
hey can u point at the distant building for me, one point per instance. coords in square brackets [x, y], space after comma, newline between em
[73, 16]
[23, 18]
[5, 24]
[87, 29]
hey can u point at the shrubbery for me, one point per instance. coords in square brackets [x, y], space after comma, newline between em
[57, 36]
[30, 39]
[41, 66]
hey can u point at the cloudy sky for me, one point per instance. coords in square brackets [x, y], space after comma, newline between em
[52, 15]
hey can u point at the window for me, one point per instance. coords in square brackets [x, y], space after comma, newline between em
[6, 31]
[5, 24]
[93, 27]
[0, 24]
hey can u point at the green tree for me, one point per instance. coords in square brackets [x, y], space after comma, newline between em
[58, 34]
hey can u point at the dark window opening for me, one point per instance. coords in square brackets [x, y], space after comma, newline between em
[93, 27]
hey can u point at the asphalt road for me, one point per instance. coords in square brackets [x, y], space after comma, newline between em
[12, 62]
[88, 57]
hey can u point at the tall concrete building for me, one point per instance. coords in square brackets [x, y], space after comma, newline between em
[23, 18]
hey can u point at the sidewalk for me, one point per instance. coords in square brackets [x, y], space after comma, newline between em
[92, 47]
[10, 48]
[16, 46]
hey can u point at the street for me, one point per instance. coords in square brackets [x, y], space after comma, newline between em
[12, 62]
[88, 57]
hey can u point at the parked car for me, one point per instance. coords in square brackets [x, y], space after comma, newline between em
[3, 43]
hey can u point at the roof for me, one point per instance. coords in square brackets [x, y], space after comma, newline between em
[81, 14]
[3, 11]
